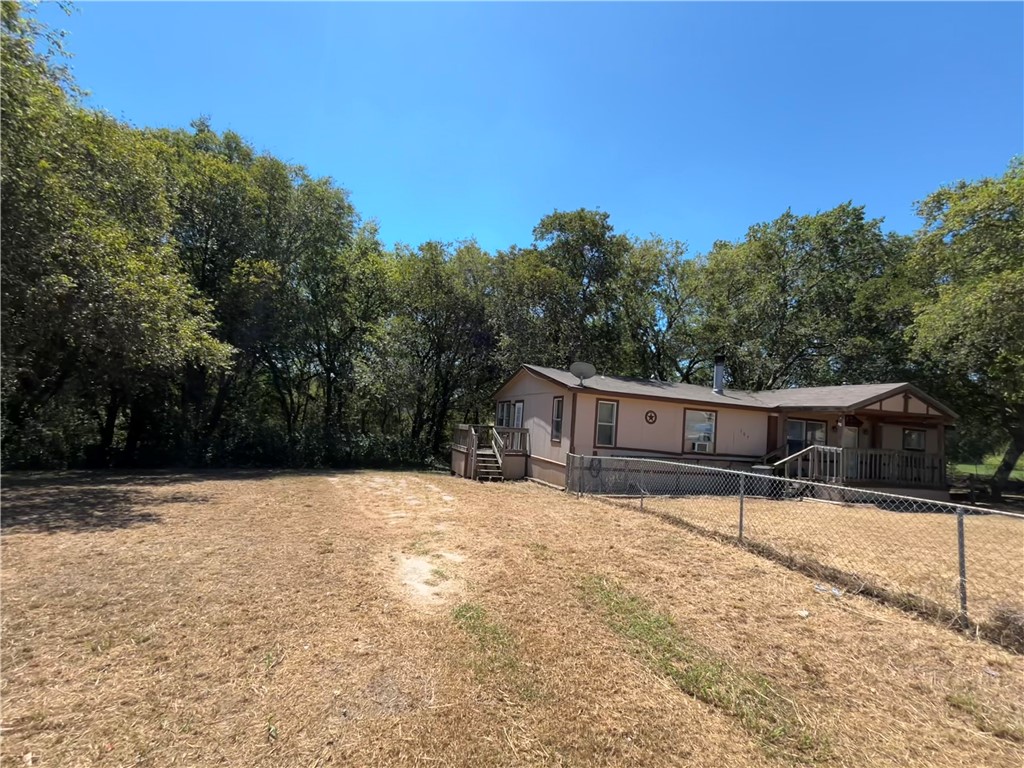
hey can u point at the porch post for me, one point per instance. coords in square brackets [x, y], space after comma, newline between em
[942, 454]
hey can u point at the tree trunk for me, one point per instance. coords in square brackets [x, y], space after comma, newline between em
[328, 426]
[220, 403]
[1010, 458]
[107, 431]
[136, 421]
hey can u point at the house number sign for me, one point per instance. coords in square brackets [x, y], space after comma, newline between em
[650, 417]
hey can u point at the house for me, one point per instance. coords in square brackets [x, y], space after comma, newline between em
[882, 436]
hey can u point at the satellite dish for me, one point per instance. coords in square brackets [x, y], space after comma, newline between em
[582, 371]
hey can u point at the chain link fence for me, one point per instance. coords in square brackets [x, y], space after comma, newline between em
[954, 562]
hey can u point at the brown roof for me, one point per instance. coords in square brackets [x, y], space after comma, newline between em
[844, 397]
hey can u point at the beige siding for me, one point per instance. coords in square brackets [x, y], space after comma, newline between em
[741, 433]
[548, 472]
[538, 395]
[893, 404]
[892, 438]
[916, 406]
[737, 432]
[585, 405]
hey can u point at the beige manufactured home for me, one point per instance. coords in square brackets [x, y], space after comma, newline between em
[885, 436]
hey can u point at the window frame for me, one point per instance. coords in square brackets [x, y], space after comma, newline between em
[824, 431]
[803, 440]
[614, 424]
[557, 406]
[924, 439]
[714, 431]
[503, 414]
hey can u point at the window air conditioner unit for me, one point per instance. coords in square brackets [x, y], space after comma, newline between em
[700, 447]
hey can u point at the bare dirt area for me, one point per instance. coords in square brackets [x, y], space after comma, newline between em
[379, 618]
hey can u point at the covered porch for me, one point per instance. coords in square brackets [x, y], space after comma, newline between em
[866, 467]
[868, 447]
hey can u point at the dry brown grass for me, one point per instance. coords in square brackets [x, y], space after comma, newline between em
[290, 619]
[901, 553]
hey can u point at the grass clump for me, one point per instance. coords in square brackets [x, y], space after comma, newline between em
[985, 718]
[698, 671]
[498, 653]
[493, 641]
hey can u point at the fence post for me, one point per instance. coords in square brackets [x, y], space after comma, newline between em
[961, 552]
[742, 478]
[579, 486]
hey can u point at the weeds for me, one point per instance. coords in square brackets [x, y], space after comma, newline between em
[540, 551]
[984, 717]
[497, 648]
[696, 670]
[271, 659]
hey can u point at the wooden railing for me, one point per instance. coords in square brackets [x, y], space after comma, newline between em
[815, 462]
[900, 467]
[462, 437]
[864, 465]
[516, 440]
[504, 441]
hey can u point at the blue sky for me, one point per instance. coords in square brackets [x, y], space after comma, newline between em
[692, 121]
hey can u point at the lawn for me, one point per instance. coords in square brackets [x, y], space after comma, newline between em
[903, 553]
[987, 467]
[376, 618]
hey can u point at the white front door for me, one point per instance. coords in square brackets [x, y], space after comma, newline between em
[517, 422]
[851, 462]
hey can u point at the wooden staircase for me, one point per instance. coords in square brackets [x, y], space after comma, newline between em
[483, 452]
[488, 467]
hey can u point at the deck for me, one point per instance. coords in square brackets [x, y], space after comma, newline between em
[487, 453]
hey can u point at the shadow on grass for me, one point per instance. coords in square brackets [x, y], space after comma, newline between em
[81, 500]
[77, 502]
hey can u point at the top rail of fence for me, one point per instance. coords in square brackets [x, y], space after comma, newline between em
[953, 506]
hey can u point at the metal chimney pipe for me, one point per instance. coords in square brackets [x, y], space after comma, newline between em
[719, 382]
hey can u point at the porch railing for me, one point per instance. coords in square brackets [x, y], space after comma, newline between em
[815, 462]
[865, 465]
[504, 441]
[900, 467]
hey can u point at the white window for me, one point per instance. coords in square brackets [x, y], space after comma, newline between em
[913, 439]
[699, 432]
[504, 414]
[556, 420]
[607, 415]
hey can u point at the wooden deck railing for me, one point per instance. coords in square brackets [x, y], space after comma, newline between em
[900, 467]
[504, 441]
[865, 466]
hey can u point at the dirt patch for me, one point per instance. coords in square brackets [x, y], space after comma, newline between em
[423, 582]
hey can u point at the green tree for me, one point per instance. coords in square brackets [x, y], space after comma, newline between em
[969, 260]
[559, 300]
[795, 302]
[437, 341]
[660, 302]
[94, 303]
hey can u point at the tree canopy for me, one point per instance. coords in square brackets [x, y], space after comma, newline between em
[173, 296]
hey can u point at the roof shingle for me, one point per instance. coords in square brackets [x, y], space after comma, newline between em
[846, 396]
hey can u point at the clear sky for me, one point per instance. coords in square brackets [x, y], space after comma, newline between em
[692, 121]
